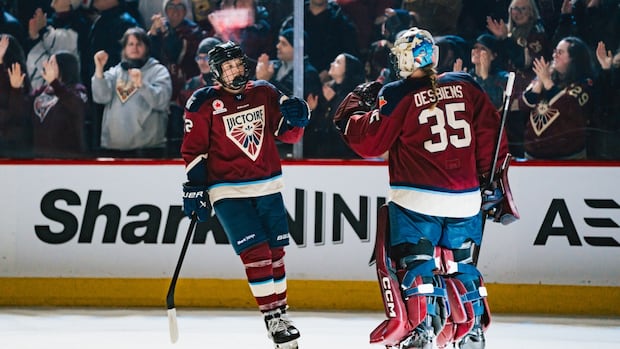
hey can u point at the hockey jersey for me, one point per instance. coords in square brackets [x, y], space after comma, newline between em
[436, 152]
[229, 141]
[558, 120]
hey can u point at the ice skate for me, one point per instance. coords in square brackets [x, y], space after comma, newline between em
[474, 339]
[280, 330]
[421, 338]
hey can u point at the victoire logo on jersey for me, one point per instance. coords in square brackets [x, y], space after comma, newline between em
[246, 130]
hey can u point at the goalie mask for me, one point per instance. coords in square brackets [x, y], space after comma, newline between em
[226, 52]
[412, 50]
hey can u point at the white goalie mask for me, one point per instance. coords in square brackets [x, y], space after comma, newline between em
[412, 50]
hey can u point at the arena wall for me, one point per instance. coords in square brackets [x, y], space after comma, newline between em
[108, 233]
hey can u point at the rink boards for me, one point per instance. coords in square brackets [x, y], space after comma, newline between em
[108, 233]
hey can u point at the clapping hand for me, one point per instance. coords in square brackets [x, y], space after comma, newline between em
[4, 45]
[16, 77]
[36, 23]
[136, 77]
[498, 28]
[50, 70]
[603, 56]
[264, 68]
[542, 68]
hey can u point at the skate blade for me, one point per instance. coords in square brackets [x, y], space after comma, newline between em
[288, 345]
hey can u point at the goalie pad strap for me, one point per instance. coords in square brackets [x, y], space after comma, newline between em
[425, 290]
[424, 269]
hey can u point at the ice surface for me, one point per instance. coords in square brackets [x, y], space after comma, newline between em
[68, 328]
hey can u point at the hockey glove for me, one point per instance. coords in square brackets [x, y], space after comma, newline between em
[491, 196]
[196, 201]
[295, 111]
[368, 93]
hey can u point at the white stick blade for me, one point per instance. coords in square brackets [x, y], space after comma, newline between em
[172, 324]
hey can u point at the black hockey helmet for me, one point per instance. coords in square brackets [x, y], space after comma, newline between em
[225, 52]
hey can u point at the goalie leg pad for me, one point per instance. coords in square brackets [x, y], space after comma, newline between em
[466, 293]
[393, 330]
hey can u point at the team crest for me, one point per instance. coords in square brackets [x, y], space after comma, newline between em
[246, 130]
[125, 89]
[542, 117]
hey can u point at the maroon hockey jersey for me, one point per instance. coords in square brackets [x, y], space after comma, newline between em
[229, 142]
[558, 120]
[436, 154]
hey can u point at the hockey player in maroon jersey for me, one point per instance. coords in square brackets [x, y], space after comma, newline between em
[441, 133]
[233, 164]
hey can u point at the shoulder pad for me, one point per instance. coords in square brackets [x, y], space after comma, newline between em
[263, 83]
[199, 97]
[459, 77]
[390, 95]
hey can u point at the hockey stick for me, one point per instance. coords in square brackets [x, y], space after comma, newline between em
[172, 313]
[509, 86]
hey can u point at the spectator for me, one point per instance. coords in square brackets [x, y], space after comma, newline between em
[367, 15]
[486, 71]
[11, 25]
[279, 73]
[15, 140]
[205, 78]
[559, 102]
[66, 30]
[473, 18]
[451, 49]
[59, 108]
[521, 40]
[591, 20]
[150, 8]
[604, 143]
[175, 40]
[246, 23]
[330, 32]
[202, 9]
[136, 94]
[438, 16]
[107, 31]
[321, 139]
[105, 35]
[396, 21]
[377, 65]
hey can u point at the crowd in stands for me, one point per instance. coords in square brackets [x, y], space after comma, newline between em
[110, 78]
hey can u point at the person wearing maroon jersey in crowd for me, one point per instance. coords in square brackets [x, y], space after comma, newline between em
[559, 102]
[440, 132]
[232, 162]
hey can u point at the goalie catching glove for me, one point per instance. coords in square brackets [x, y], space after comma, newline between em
[368, 93]
[361, 100]
[196, 201]
[295, 111]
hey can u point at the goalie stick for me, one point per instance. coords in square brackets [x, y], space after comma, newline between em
[172, 313]
[509, 86]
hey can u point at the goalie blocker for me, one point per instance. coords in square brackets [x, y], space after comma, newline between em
[497, 200]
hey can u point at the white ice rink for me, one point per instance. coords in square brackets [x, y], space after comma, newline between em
[137, 329]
